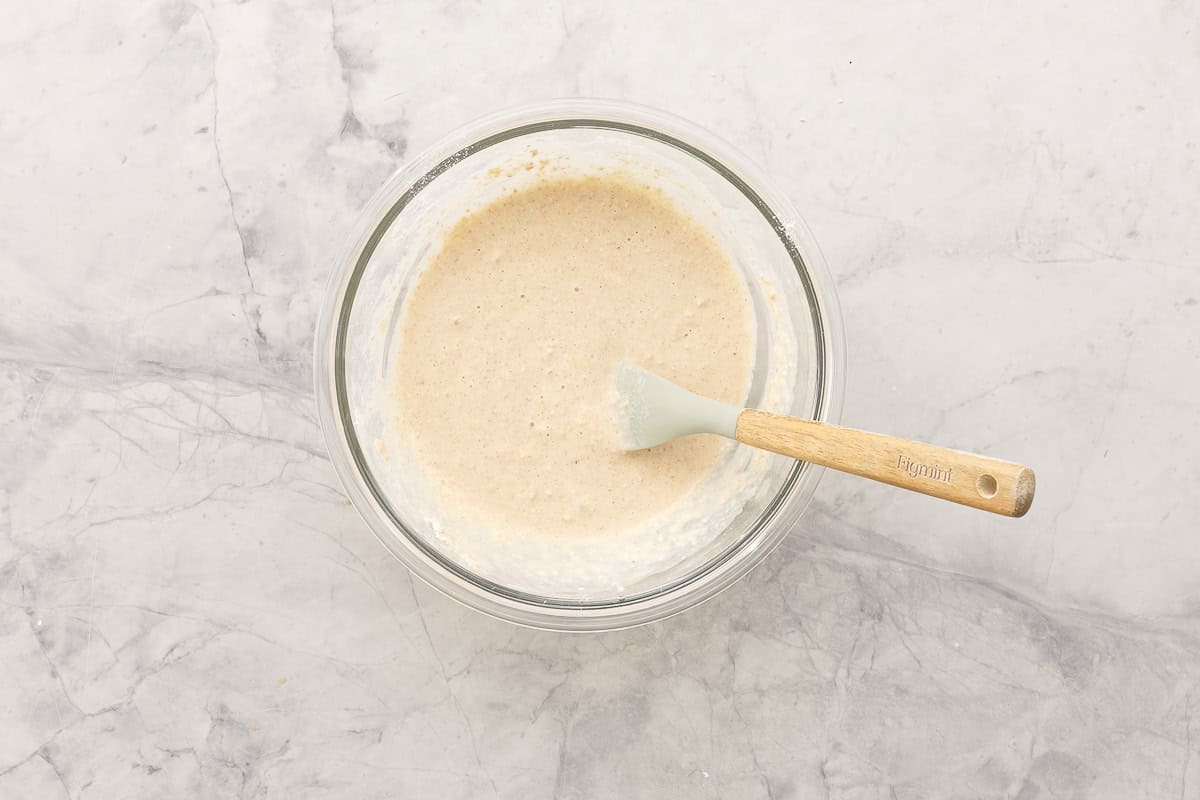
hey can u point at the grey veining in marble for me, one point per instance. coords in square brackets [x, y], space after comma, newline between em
[1008, 197]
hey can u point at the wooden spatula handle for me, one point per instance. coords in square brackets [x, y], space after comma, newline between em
[986, 483]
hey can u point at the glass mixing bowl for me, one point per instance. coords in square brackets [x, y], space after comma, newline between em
[799, 336]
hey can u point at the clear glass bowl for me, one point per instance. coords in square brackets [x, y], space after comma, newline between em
[397, 230]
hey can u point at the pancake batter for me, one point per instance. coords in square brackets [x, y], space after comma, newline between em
[510, 337]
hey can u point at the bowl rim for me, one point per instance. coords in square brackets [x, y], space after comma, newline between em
[346, 455]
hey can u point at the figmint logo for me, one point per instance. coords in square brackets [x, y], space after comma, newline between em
[919, 470]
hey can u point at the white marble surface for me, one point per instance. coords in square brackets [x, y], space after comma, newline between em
[1007, 194]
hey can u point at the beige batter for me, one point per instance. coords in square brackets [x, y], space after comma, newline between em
[511, 335]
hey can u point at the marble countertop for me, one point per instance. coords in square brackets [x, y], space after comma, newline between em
[1007, 195]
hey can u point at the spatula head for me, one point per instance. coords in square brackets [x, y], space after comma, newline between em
[652, 410]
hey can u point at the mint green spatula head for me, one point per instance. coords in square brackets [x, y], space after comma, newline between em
[651, 410]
